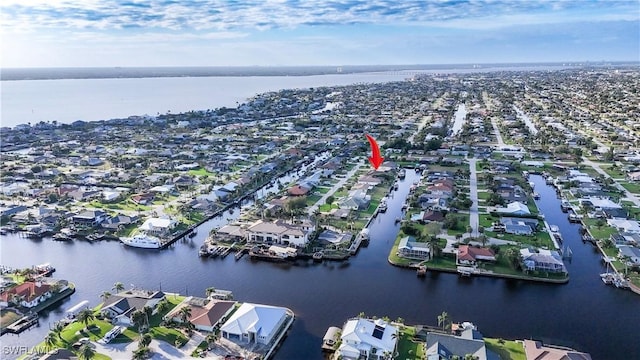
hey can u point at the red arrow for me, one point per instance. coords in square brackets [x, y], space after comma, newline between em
[375, 159]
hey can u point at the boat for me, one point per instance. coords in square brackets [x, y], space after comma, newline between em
[549, 180]
[554, 228]
[142, 241]
[565, 206]
[193, 233]
[317, 256]
[382, 207]
[607, 278]
[398, 220]
[421, 271]
[536, 196]
[44, 269]
[574, 218]
[402, 173]
[61, 237]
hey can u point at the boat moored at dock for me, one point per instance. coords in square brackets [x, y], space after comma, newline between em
[142, 241]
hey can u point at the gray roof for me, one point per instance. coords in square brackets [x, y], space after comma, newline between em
[455, 345]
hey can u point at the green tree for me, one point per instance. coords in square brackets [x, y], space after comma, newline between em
[185, 314]
[118, 286]
[86, 352]
[443, 320]
[138, 319]
[144, 341]
[210, 290]
[85, 316]
[50, 340]
[105, 295]
[140, 353]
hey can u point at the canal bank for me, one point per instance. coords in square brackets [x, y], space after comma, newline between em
[602, 319]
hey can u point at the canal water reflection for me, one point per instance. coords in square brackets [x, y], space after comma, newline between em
[583, 313]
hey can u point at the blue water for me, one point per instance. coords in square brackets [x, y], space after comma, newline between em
[584, 313]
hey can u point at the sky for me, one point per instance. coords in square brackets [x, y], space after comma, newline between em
[72, 33]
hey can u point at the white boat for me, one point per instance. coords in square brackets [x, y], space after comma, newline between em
[142, 241]
[554, 228]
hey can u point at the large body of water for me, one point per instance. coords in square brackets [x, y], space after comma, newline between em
[584, 313]
[68, 100]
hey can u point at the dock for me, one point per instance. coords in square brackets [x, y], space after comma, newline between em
[23, 324]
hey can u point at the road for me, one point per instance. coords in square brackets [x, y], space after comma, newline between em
[333, 190]
[496, 130]
[474, 219]
[629, 196]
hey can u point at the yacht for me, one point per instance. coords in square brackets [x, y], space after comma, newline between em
[142, 241]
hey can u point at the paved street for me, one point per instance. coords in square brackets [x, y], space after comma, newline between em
[474, 219]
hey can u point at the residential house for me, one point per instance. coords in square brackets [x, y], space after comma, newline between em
[299, 190]
[231, 233]
[631, 253]
[30, 293]
[356, 200]
[519, 226]
[410, 248]
[368, 339]
[433, 216]
[542, 260]
[535, 350]
[470, 255]
[254, 323]
[158, 226]
[624, 225]
[514, 208]
[119, 221]
[445, 346]
[90, 218]
[279, 232]
[205, 314]
[143, 199]
[121, 306]
[334, 237]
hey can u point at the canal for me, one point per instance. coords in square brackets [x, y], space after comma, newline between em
[584, 313]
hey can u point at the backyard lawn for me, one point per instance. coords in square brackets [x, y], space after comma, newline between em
[506, 349]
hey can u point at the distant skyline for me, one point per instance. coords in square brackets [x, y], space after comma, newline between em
[61, 33]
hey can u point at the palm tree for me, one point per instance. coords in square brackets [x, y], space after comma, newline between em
[105, 295]
[118, 286]
[144, 341]
[138, 317]
[86, 315]
[210, 290]
[211, 338]
[50, 339]
[442, 320]
[86, 352]
[163, 306]
[57, 330]
[185, 314]
[434, 246]
[140, 353]
[148, 311]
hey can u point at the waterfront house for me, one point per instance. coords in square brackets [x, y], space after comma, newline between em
[299, 190]
[631, 253]
[514, 208]
[330, 237]
[542, 260]
[119, 221]
[445, 346]
[230, 233]
[369, 339]
[121, 306]
[205, 314]
[279, 232]
[519, 226]
[29, 293]
[412, 249]
[624, 225]
[90, 218]
[158, 226]
[470, 255]
[535, 350]
[254, 323]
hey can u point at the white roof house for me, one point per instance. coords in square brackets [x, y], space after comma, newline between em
[254, 323]
[630, 226]
[374, 339]
[157, 225]
[514, 208]
[279, 232]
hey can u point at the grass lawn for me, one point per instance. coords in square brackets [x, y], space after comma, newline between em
[312, 199]
[541, 239]
[323, 190]
[506, 349]
[461, 228]
[533, 208]
[201, 172]
[632, 187]
[327, 207]
[167, 334]
[613, 172]
[407, 347]
[484, 195]
[486, 220]
[122, 205]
